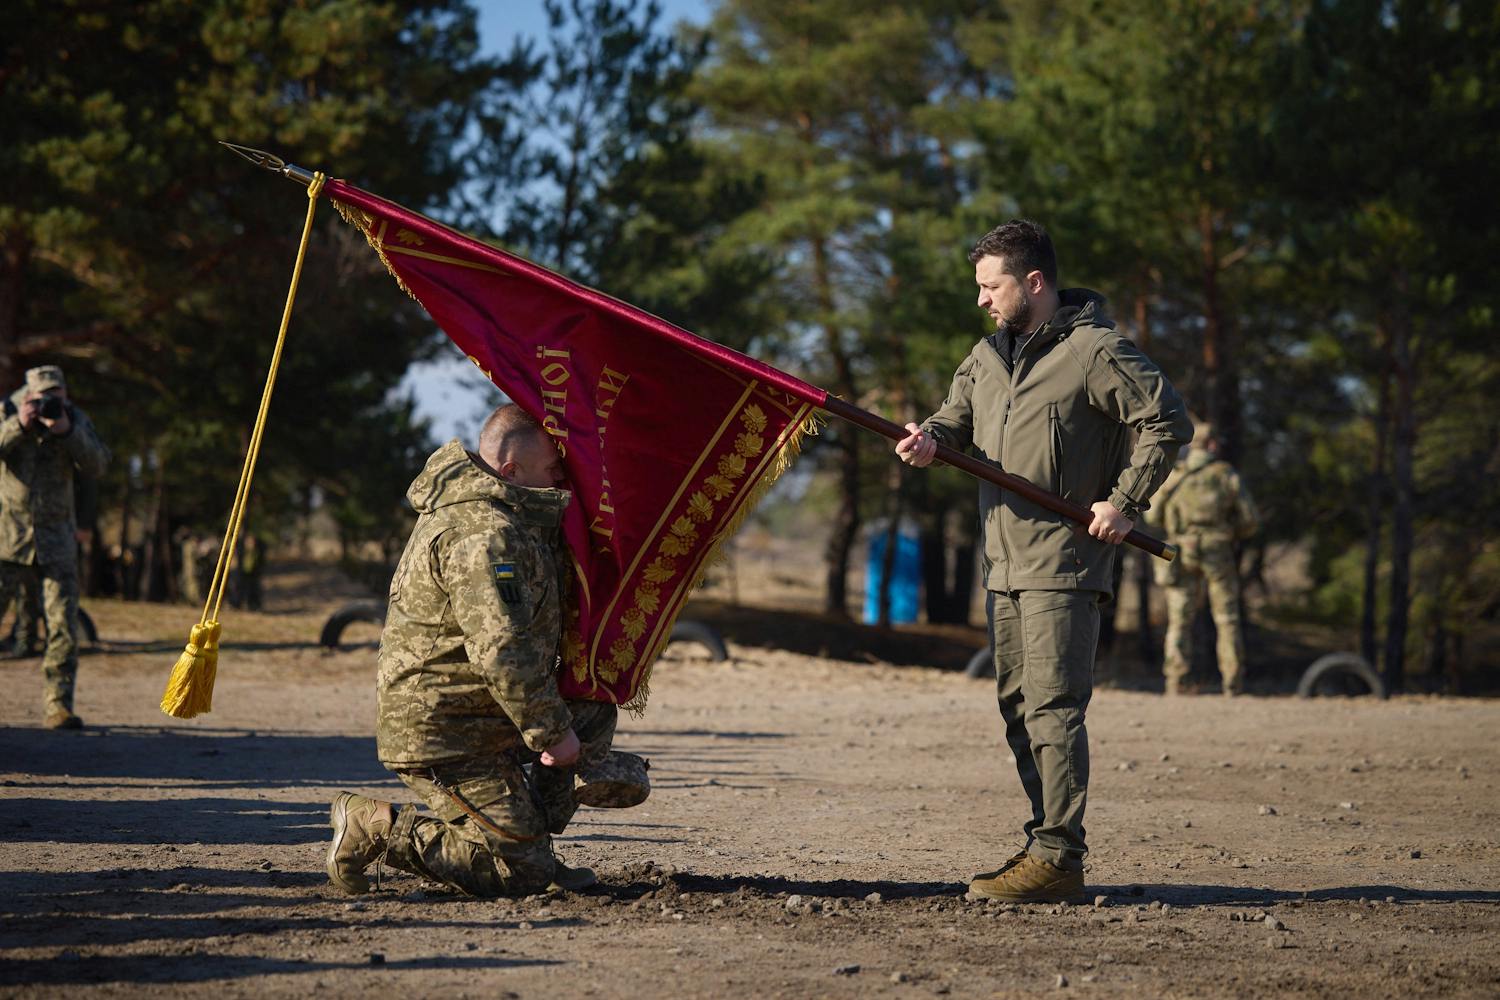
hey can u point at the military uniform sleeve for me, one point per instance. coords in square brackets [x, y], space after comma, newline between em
[1127, 385]
[504, 644]
[953, 423]
[1246, 517]
[84, 447]
[11, 432]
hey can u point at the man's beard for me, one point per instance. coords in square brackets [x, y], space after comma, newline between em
[1019, 321]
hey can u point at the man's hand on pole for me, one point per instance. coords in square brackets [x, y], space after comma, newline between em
[917, 448]
[1109, 524]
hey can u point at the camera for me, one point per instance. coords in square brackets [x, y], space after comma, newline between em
[50, 408]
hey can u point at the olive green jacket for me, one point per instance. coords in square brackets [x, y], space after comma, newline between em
[1062, 420]
[468, 657]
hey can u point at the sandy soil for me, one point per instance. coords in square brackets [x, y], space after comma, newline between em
[813, 823]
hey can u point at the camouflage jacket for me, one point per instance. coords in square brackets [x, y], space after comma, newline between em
[468, 658]
[37, 470]
[1204, 497]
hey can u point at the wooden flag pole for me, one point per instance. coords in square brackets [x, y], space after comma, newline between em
[991, 473]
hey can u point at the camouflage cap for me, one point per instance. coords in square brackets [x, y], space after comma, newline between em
[44, 377]
[616, 782]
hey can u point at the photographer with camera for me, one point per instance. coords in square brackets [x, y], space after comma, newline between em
[45, 443]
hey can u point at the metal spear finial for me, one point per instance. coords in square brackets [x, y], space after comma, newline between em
[270, 161]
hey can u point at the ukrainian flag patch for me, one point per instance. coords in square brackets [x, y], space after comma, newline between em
[506, 582]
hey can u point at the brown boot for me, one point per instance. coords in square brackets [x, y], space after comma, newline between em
[572, 879]
[1010, 863]
[361, 830]
[1033, 881]
[58, 717]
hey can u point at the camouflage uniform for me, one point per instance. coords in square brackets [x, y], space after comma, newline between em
[38, 525]
[468, 686]
[1204, 510]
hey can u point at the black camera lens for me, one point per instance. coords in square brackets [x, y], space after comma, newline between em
[51, 408]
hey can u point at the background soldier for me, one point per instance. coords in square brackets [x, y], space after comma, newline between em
[468, 687]
[1205, 510]
[45, 440]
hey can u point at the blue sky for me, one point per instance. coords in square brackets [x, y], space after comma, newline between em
[450, 391]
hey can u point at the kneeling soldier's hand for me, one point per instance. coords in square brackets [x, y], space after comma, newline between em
[563, 753]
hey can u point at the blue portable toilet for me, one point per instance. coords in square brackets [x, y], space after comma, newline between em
[906, 576]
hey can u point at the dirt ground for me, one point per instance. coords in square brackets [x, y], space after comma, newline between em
[813, 823]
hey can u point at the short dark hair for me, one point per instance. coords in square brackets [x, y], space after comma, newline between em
[1024, 245]
[506, 427]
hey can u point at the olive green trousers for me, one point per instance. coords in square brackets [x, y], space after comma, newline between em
[1044, 671]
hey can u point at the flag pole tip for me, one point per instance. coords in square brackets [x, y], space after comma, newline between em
[270, 161]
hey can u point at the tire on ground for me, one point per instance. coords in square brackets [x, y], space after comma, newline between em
[1340, 666]
[981, 664]
[357, 611]
[691, 631]
[86, 626]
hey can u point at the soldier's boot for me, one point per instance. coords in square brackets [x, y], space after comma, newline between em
[1032, 881]
[572, 879]
[361, 834]
[60, 716]
[57, 707]
[1010, 863]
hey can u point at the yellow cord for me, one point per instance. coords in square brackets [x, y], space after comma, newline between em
[237, 512]
[190, 688]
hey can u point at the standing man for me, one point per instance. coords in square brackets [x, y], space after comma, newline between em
[468, 679]
[1051, 396]
[1205, 510]
[45, 442]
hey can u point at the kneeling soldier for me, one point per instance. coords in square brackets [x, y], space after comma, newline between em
[468, 690]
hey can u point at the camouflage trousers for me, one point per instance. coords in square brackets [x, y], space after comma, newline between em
[28, 608]
[59, 587]
[508, 851]
[1045, 642]
[1204, 564]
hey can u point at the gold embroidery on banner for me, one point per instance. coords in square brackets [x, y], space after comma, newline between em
[482, 370]
[728, 521]
[660, 570]
[410, 238]
[648, 598]
[699, 509]
[755, 419]
[682, 539]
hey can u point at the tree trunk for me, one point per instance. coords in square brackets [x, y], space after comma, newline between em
[1403, 444]
[888, 561]
[846, 520]
[1221, 375]
[1374, 523]
[15, 251]
[126, 556]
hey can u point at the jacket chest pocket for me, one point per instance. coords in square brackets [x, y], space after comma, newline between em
[1055, 449]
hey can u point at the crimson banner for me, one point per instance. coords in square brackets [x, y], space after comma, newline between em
[668, 439]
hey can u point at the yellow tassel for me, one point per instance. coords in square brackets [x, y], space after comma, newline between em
[190, 689]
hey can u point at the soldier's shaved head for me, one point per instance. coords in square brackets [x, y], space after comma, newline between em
[518, 449]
